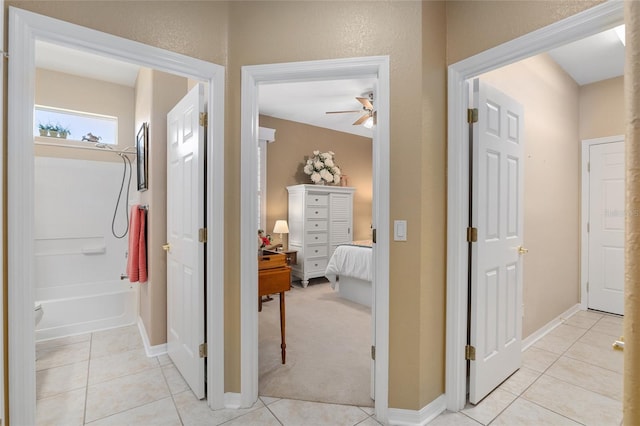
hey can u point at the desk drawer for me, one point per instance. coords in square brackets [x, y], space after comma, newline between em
[315, 265]
[274, 281]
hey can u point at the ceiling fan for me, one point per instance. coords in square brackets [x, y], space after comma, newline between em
[368, 119]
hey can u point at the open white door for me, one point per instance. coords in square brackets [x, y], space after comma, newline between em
[496, 265]
[185, 253]
[606, 227]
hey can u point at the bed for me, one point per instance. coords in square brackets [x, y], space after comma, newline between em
[350, 271]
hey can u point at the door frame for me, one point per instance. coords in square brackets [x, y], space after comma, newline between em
[584, 235]
[25, 28]
[252, 77]
[591, 21]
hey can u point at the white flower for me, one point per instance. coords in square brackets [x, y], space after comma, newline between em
[321, 167]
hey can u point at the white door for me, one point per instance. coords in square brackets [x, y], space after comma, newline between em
[497, 201]
[185, 254]
[606, 227]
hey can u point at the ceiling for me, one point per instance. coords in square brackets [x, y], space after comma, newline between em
[592, 59]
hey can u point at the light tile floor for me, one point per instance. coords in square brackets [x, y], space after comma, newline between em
[570, 377]
[105, 378]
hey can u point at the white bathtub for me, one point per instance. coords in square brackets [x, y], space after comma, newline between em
[84, 308]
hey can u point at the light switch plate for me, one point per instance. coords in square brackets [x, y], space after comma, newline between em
[400, 230]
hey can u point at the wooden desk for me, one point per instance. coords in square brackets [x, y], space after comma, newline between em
[274, 276]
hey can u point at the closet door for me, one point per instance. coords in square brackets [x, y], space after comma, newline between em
[341, 220]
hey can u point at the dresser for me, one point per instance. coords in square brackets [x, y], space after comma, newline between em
[320, 218]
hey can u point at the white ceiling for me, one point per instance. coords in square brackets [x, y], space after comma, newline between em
[592, 59]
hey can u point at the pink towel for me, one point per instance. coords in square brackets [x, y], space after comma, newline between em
[137, 261]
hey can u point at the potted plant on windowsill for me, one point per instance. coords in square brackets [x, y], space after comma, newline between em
[53, 130]
[63, 132]
[43, 129]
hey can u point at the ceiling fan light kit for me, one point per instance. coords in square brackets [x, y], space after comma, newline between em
[368, 120]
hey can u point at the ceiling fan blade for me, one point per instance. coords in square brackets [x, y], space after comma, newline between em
[341, 112]
[365, 102]
[361, 119]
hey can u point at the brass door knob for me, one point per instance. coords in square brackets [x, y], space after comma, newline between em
[522, 250]
[166, 247]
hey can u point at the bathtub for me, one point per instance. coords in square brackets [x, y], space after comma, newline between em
[84, 308]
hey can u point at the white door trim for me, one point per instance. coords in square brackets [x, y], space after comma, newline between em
[25, 29]
[252, 76]
[589, 22]
[584, 237]
[2, 99]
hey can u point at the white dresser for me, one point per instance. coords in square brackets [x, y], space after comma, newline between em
[320, 218]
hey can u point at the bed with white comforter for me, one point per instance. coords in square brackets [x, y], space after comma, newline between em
[350, 271]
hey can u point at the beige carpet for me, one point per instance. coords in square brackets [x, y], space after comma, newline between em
[328, 347]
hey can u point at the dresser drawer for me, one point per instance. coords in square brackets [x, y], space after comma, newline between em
[317, 212]
[315, 265]
[315, 251]
[319, 238]
[317, 225]
[317, 200]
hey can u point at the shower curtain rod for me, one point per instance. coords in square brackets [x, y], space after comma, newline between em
[90, 148]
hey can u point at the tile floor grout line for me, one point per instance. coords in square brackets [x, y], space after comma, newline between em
[166, 381]
[553, 411]
[86, 387]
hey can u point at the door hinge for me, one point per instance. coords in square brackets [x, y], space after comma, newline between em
[203, 350]
[373, 235]
[373, 352]
[588, 227]
[587, 286]
[588, 166]
[472, 235]
[203, 119]
[470, 353]
[472, 115]
[202, 235]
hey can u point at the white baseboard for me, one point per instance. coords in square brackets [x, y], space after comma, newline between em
[232, 400]
[543, 331]
[420, 417]
[151, 351]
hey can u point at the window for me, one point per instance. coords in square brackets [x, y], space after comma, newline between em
[78, 125]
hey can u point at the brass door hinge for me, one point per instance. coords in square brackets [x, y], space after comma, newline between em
[470, 353]
[203, 350]
[202, 235]
[472, 115]
[472, 235]
[203, 119]
[373, 352]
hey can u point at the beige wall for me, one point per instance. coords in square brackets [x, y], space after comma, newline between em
[156, 94]
[419, 37]
[294, 142]
[61, 90]
[602, 109]
[549, 97]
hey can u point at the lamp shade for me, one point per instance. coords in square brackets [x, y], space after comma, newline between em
[281, 227]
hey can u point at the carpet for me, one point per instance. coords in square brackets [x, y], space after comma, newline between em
[328, 347]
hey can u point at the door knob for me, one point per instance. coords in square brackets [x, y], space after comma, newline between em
[522, 250]
[166, 247]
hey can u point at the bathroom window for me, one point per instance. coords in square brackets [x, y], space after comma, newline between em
[75, 125]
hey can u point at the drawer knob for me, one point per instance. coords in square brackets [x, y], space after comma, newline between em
[316, 212]
[316, 225]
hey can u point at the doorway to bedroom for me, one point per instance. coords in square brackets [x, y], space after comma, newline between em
[316, 316]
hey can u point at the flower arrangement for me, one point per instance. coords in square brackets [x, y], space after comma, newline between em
[322, 168]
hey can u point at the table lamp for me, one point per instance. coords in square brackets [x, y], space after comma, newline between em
[281, 227]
